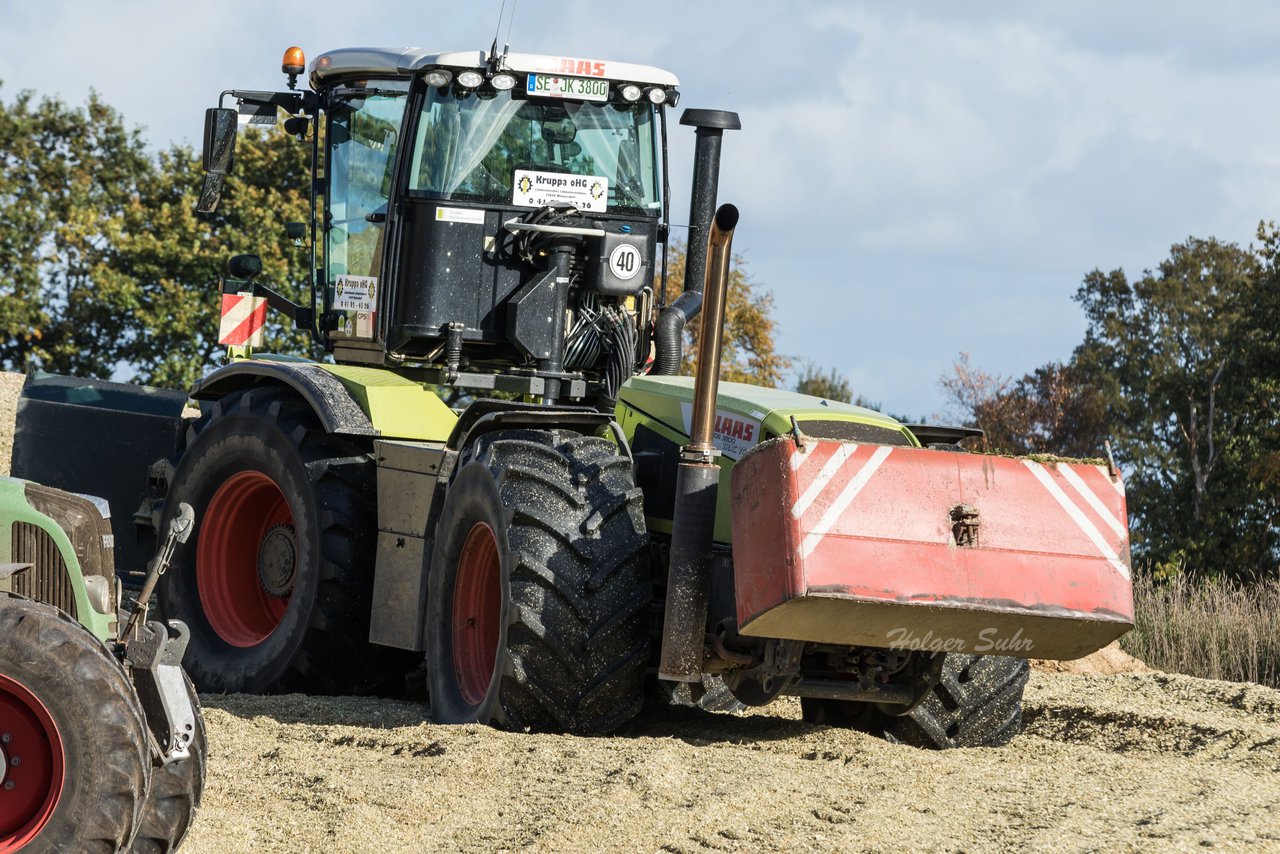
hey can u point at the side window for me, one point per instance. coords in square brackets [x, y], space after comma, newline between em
[363, 135]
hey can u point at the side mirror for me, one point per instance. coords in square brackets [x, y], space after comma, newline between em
[220, 125]
[295, 230]
[244, 266]
[297, 126]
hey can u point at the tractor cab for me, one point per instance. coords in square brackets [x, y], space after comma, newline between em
[484, 221]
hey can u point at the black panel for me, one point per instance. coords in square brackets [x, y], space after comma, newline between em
[657, 461]
[853, 431]
[98, 438]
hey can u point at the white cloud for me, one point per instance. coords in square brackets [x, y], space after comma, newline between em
[915, 179]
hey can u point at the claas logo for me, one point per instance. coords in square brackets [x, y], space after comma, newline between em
[582, 67]
[735, 428]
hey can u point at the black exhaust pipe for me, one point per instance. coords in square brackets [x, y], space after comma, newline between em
[684, 626]
[710, 126]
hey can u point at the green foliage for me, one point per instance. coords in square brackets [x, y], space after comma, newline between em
[66, 176]
[104, 266]
[829, 384]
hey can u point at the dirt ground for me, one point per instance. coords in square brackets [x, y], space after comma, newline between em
[1113, 757]
[1122, 762]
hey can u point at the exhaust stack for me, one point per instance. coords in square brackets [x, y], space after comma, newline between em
[684, 623]
[710, 126]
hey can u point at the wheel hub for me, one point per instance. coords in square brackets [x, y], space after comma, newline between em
[278, 561]
[477, 610]
[32, 765]
[246, 558]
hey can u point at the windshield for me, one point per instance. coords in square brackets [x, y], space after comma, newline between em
[506, 149]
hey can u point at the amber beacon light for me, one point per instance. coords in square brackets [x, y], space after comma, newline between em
[294, 62]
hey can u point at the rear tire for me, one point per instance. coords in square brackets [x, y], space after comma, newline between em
[175, 793]
[77, 732]
[539, 587]
[976, 703]
[276, 582]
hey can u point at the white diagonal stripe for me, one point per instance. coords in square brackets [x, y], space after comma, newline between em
[838, 507]
[236, 315]
[1116, 482]
[1077, 516]
[1093, 501]
[828, 471]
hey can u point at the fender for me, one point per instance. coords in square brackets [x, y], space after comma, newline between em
[327, 397]
[486, 416]
[349, 400]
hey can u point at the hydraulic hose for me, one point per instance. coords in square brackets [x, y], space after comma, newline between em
[668, 333]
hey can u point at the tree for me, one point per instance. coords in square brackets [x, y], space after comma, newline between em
[749, 354]
[175, 257]
[829, 384]
[105, 268]
[1172, 348]
[65, 175]
[1053, 410]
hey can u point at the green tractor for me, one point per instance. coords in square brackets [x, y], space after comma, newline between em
[102, 743]
[497, 466]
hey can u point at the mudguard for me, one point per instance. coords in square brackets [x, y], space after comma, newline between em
[872, 545]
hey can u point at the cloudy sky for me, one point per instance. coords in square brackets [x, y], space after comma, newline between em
[916, 179]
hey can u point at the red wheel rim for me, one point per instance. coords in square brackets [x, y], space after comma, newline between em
[477, 613]
[30, 790]
[236, 603]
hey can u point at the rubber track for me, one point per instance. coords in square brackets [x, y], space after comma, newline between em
[578, 639]
[976, 703]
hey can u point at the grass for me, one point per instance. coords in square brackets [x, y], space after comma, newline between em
[1208, 627]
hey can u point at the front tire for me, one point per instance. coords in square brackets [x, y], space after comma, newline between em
[276, 582]
[77, 761]
[539, 587]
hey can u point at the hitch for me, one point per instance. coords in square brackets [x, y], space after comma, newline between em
[155, 662]
[180, 528]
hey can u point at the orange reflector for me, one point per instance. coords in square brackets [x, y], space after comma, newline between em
[294, 61]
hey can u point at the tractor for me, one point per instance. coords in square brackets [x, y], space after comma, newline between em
[102, 744]
[497, 467]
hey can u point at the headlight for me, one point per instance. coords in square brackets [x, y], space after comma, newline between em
[657, 95]
[502, 82]
[631, 92]
[438, 77]
[470, 79]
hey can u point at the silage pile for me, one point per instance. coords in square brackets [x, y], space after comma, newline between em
[1128, 762]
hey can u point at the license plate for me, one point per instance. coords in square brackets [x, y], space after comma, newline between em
[580, 88]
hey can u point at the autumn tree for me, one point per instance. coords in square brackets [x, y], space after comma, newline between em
[750, 354]
[1052, 410]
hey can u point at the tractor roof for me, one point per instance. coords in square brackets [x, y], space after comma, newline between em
[376, 61]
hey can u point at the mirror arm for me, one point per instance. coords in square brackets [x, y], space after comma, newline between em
[303, 317]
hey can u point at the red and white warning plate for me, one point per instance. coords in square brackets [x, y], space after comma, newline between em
[244, 320]
[844, 543]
